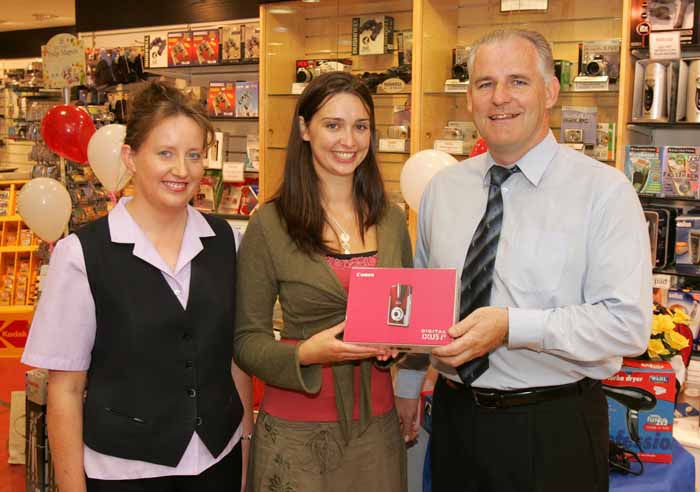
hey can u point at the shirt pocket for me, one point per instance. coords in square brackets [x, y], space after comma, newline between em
[534, 260]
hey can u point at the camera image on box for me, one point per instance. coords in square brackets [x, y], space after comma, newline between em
[400, 298]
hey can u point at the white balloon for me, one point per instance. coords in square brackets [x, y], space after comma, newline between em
[417, 172]
[104, 156]
[45, 206]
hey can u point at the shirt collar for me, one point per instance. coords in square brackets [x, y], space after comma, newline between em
[124, 229]
[533, 164]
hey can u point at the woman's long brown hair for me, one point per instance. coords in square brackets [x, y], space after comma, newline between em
[298, 200]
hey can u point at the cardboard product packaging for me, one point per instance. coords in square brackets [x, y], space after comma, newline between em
[407, 308]
[643, 168]
[231, 44]
[372, 35]
[652, 219]
[221, 100]
[681, 171]
[247, 99]
[688, 244]
[641, 399]
[666, 235]
[656, 91]
[579, 125]
[605, 146]
[205, 45]
[180, 49]
[156, 50]
[647, 16]
[251, 41]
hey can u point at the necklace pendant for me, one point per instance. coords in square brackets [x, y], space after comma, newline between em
[344, 237]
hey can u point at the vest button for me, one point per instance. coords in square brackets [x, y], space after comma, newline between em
[198, 421]
[191, 392]
[188, 364]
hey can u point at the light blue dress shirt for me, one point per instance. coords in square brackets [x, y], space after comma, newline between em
[573, 264]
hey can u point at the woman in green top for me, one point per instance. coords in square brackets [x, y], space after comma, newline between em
[327, 421]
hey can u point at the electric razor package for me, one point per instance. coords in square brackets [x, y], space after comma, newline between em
[654, 94]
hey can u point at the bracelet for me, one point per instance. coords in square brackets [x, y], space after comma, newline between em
[247, 437]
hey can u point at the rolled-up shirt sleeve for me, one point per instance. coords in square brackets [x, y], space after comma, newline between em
[62, 333]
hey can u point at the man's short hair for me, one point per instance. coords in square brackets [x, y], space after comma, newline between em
[541, 45]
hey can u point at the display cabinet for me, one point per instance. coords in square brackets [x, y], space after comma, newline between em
[297, 31]
[448, 24]
[19, 272]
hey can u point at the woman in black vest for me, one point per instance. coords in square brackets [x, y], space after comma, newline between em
[138, 309]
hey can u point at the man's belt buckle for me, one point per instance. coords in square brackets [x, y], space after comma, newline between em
[487, 399]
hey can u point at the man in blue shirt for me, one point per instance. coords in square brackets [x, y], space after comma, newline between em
[568, 289]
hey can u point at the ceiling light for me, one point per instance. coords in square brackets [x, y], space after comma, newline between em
[311, 1]
[281, 10]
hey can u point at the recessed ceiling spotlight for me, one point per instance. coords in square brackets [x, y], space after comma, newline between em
[43, 17]
[311, 1]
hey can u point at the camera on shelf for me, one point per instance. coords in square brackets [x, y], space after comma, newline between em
[595, 66]
[308, 69]
[459, 64]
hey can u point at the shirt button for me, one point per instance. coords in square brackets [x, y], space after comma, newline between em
[198, 421]
[191, 392]
[188, 364]
[177, 292]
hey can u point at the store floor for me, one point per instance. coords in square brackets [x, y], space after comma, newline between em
[11, 379]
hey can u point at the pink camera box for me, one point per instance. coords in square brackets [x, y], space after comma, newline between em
[407, 308]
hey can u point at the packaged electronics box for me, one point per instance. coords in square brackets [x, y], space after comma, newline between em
[643, 168]
[372, 35]
[641, 399]
[688, 244]
[407, 308]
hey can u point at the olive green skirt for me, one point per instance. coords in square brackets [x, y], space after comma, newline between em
[292, 456]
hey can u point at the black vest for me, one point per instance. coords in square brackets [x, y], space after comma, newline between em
[160, 372]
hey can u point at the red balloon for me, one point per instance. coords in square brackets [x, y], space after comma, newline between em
[67, 130]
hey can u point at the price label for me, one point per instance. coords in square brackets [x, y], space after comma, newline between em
[665, 45]
[233, 172]
[661, 281]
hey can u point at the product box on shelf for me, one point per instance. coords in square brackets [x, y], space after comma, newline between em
[562, 69]
[372, 35]
[180, 49]
[688, 244]
[652, 219]
[205, 45]
[604, 149]
[579, 124]
[221, 100]
[230, 199]
[207, 197]
[655, 96]
[156, 49]
[643, 168]
[681, 171]
[231, 44]
[246, 99]
[641, 399]
[407, 308]
[666, 234]
[251, 41]
[663, 16]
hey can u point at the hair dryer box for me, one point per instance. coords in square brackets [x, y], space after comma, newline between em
[406, 308]
[641, 399]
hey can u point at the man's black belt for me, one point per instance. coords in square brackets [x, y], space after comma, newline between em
[492, 398]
